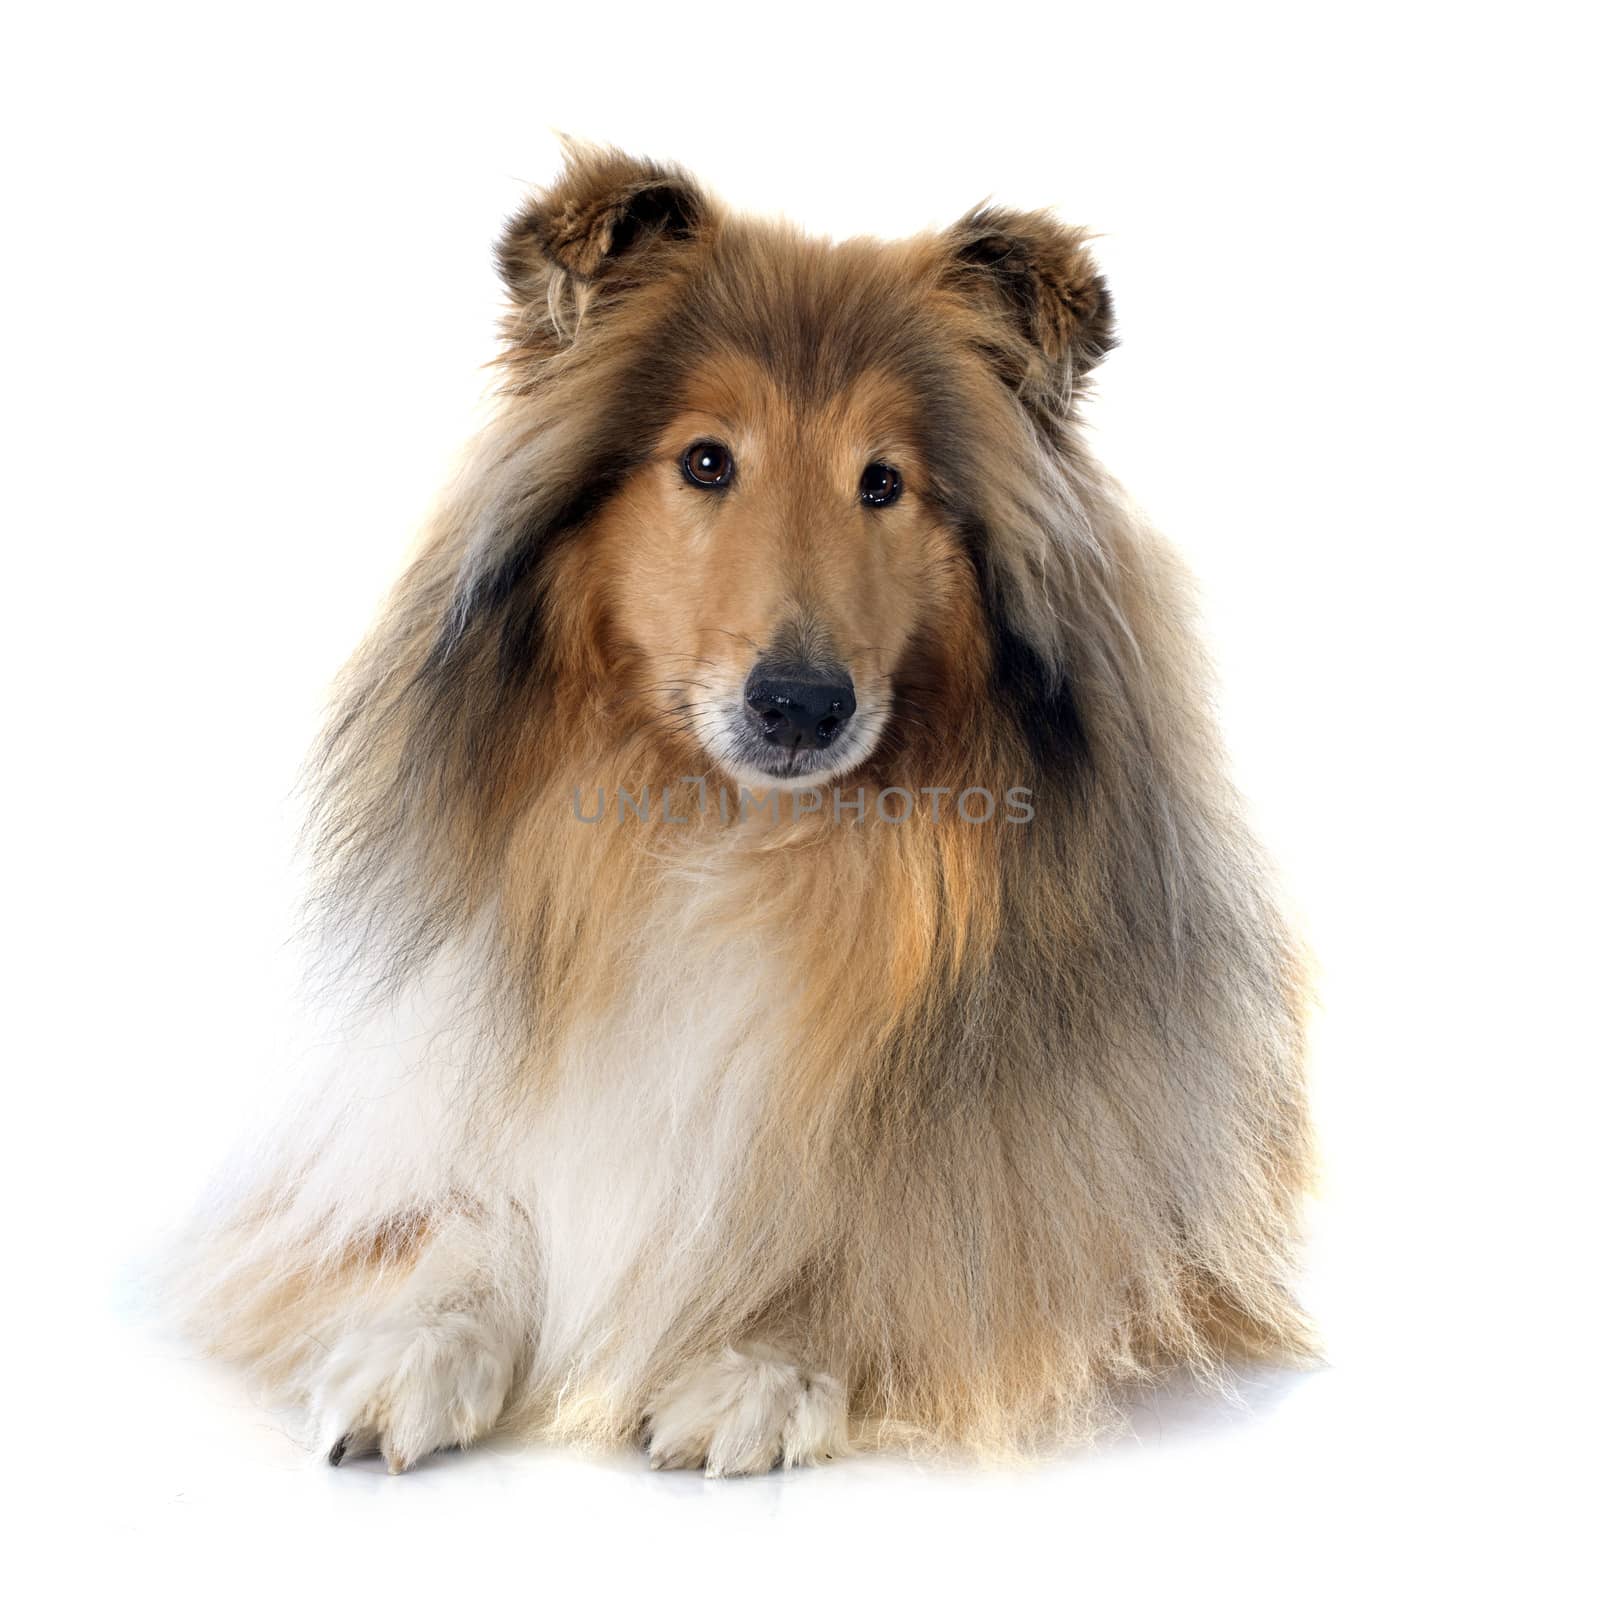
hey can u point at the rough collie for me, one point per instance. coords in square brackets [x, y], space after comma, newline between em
[805, 979]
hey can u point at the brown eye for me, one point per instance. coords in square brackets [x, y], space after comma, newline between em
[707, 465]
[880, 485]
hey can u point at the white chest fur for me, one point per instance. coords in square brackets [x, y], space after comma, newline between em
[622, 1161]
[649, 1129]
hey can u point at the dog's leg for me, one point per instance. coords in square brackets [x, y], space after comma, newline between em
[750, 1409]
[436, 1367]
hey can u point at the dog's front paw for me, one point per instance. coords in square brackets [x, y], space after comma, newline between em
[749, 1410]
[406, 1387]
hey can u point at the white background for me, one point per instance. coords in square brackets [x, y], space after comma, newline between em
[248, 302]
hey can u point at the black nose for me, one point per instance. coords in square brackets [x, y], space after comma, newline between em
[799, 713]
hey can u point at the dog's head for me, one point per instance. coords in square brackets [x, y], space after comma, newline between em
[787, 495]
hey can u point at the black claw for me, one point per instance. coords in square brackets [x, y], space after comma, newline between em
[336, 1455]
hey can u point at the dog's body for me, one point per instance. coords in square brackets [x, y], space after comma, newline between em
[758, 1131]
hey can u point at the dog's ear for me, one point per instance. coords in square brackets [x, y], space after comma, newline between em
[608, 221]
[1039, 277]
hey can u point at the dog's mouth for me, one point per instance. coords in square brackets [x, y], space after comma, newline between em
[791, 765]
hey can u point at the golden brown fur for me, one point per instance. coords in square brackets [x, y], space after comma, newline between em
[1029, 1122]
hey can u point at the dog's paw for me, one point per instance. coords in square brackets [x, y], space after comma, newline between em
[749, 1410]
[406, 1387]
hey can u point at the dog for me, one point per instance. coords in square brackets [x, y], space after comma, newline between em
[804, 981]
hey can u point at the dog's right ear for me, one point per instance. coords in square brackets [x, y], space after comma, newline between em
[1040, 278]
[608, 222]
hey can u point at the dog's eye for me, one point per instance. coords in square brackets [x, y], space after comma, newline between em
[880, 485]
[707, 465]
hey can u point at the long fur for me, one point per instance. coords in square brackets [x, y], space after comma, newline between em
[982, 1122]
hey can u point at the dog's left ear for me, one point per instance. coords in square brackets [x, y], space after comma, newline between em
[610, 220]
[1039, 277]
